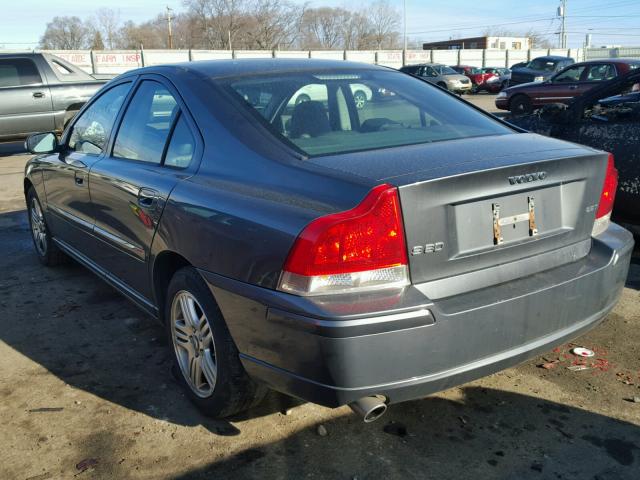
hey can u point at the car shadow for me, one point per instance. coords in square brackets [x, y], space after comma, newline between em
[83, 332]
[481, 433]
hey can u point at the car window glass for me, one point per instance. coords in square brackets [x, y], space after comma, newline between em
[92, 128]
[542, 64]
[146, 124]
[181, 145]
[444, 70]
[572, 74]
[598, 73]
[359, 111]
[17, 72]
[431, 72]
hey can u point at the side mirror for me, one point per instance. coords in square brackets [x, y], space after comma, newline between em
[42, 143]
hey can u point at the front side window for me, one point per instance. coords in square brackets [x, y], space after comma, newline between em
[361, 110]
[570, 75]
[17, 72]
[146, 124]
[93, 127]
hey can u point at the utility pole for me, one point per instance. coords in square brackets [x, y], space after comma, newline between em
[169, 18]
[562, 13]
[404, 6]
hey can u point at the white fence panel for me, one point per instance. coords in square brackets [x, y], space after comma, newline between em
[538, 52]
[211, 55]
[364, 56]
[158, 57]
[418, 56]
[448, 57]
[291, 54]
[577, 54]
[561, 52]
[116, 61]
[517, 56]
[253, 54]
[389, 58]
[327, 54]
[471, 57]
[495, 58]
[79, 58]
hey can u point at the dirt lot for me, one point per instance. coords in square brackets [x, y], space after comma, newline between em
[87, 392]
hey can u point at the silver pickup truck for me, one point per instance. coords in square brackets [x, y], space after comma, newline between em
[40, 92]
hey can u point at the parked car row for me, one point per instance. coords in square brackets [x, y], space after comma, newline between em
[563, 86]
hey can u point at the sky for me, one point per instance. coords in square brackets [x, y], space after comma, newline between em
[612, 22]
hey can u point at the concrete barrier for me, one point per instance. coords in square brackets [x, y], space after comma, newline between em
[120, 61]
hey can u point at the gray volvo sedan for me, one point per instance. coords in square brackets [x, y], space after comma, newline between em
[340, 254]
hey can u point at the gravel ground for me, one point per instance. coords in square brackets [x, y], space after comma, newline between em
[88, 393]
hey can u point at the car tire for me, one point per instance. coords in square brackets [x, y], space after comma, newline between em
[442, 85]
[206, 360]
[520, 105]
[47, 251]
[303, 97]
[360, 99]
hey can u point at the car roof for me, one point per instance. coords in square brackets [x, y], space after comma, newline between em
[554, 57]
[246, 67]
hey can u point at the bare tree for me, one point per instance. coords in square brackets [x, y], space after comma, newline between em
[66, 33]
[219, 21]
[107, 21]
[149, 34]
[273, 24]
[385, 24]
[357, 32]
[96, 42]
[324, 27]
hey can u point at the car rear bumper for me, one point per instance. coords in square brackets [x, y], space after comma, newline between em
[404, 346]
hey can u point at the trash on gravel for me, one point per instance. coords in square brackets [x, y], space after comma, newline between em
[45, 409]
[582, 352]
[322, 431]
[549, 365]
[577, 368]
[633, 399]
[86, 464]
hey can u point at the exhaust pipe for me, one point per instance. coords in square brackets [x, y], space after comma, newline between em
[369, 408]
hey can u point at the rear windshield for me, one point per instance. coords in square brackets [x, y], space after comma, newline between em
[337, 112]
[543, 64]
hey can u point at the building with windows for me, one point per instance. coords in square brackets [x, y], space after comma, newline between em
[502, 43]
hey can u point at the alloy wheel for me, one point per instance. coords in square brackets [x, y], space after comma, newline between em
[38, 227]
[193, 344]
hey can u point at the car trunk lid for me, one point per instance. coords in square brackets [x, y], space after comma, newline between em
[494, 200]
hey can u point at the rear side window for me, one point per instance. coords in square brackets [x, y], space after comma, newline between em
[599, 73]
[147, 124]
[345, 111]
[93, 127]
[17, 72]
[181, 146]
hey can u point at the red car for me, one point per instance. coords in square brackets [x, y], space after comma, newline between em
[478, 76]
[568, 83]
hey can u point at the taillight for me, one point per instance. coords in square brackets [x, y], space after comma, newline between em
[607, 197]
[356, 250]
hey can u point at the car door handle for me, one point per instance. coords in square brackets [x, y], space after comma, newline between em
[147, 197]
[573, 87]
[38, 94]
[79, 178]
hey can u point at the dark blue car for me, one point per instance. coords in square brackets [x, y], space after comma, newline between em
[341, 254]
